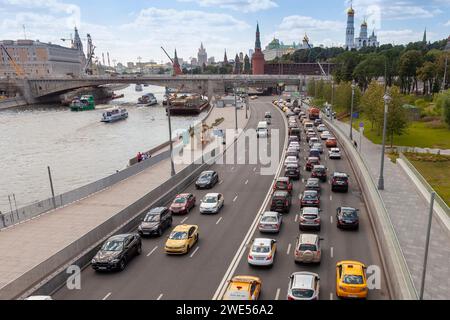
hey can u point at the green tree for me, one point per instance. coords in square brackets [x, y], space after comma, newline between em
[427, 74]
[443, 104]
[397, 120]
[343, 97]
[372, 103]
[410, 61]
[372, 67]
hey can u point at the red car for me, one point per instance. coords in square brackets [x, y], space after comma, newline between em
[182, 203]
[312, 161]
[283, 184]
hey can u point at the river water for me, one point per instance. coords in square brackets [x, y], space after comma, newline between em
[78, 148]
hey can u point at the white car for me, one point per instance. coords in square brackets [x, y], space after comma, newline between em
[334, 153]
[317, 146]
[290, 160]
[39, 298]
[211, 203]
[262, 252]
[270, 222]
[303, 286]
[325, 135]
[321, 128]
[294, 145]
[312, 141]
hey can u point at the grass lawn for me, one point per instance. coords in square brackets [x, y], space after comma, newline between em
[418, 134]
[436, 170]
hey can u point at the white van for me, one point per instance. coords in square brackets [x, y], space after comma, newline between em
[262, 130]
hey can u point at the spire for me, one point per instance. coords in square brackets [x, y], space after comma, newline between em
[424, 40]
[201, 45]
[225, 58]
[258, 40]
[77, 44]
[176, 65]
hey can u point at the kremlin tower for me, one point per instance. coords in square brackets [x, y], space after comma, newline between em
[258, 56]
[350, 33]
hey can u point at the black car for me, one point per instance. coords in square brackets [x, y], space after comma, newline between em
[292, 171]
[281, 202]
[207, 180]
[339, 182]
[317, 122]
[295, 132]
[312, 184]
[116, 252]
[155, 222]
[347, 217]
[319, 172]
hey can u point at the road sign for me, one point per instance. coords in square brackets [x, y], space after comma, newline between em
[361, 124]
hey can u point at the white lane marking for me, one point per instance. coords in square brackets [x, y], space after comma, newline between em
[184, 220]
[289, 249]
[246, 182]
[331, 198]
[254, 169]
[235, 198]
[331, 295]
[107, 296]
[232, 168]
[154, 249]
[221, 181]
[159, 297]
[218, 221]
[195, 251]
[331, 219]
[277, 295]
[332, 252]
[303, 180]
[296, 217]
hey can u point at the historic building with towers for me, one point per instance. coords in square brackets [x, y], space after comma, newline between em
[363, 40]
[202, 56]
[258, 57]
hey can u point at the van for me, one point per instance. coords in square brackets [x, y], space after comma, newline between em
[262, 130]
[309, 125]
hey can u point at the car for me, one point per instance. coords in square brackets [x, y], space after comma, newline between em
[313, 140]
[310, 218]
[211, 203]
[262, 130]
[319, 172]
[39, 298]
[155, 222]
[312, 184]
[302, 113]
[268, 117]
[292, 152]
[295, 131]
[325, 135]
[321, 128]
[308, 125]
[334, 153]
[317, 122]
[253, 97]
[182, 203]
[292, 171]
[116, 252]
[289, 113]
[243, 288]
[270, 222]
[331, 142]
[297, 110]
[318, 146]
[182, 238]
[293, 139]
[262, 252]
[351, 279]
[309, 198]
[339, 182]
[309, 135]
[207, 180]
[308, 249]
[295, 145]
[283, 183]
[281, 202]
[290, 160]
[303, 286]
[314, 153]
[347, 218]
[311, 162]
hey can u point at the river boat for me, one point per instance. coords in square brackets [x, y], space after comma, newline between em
[147, 100]
[114, 114]
[84, 103]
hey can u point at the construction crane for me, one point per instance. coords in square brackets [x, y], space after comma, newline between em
[306, 39]
[18, 69]
[90, 55]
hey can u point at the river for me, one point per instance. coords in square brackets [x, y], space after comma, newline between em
[78, 148]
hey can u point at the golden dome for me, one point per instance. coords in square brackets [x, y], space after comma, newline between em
[350, 11]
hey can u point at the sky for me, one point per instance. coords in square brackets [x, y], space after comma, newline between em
[129, 29]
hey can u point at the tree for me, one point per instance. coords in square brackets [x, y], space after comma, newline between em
[427, 74]
[372, 103]
[443, 104]
[372, 67]
[397, 120]
[343, 97]
[247, 67]
[410, 61]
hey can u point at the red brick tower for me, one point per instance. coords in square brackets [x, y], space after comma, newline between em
[258, 57]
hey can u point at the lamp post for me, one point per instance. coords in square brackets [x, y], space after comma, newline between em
[172, 165]
[332, 100]
[387, 100]
[351, 111]
[235, 108]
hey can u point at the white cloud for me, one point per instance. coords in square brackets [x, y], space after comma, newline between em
[238, 5]
[447, 24]
[400, 36]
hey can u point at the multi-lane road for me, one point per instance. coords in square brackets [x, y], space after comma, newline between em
[154, 275]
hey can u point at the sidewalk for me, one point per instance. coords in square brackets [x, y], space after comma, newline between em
[408, 210]
[26, 245]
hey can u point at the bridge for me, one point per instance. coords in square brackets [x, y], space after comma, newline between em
[36, 89]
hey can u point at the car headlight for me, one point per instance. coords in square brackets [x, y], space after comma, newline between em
[140, 228]
[93, 261]
[115, 261]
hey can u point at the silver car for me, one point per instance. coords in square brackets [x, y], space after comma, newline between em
[303, 286]
[310, 218]
[317, 146]
[270, 222]
[211, 203]
[307, 249]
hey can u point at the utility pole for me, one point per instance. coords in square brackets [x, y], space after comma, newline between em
[351, 111]
[427, 244]
[172, 165]
[387, 99]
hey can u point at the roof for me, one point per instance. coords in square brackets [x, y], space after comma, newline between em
[270, 214]
[183, 195]
[281, 193]
[303, 280]
[308, 238]
[262, 242]
[119, 237]
[311, 210]
[157, 210]
[184, 227]
[310, 192]
[207, 172]
[340, 174]
[214, 194]
[286, 179]
[311, 180]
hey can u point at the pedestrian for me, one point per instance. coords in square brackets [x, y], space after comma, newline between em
[355, 144]
[139, 157]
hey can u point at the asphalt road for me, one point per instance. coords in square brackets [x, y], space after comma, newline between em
[155, 275]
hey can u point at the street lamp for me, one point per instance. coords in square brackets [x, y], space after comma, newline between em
[235, 108]
[387, 100]
[332, 100]
[172, 165]
[351, 111]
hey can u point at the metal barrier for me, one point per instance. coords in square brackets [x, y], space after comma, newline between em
[425, 183]
[35, 209]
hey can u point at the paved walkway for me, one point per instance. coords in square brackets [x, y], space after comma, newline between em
[25, 245]
[424, 150]
[408, 210]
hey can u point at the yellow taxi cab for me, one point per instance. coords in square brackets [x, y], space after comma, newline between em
[181, 239]
[351, 279]
[243, 288]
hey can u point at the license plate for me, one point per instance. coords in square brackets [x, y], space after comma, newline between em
[102, 268]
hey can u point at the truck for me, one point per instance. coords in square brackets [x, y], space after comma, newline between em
[314, 113]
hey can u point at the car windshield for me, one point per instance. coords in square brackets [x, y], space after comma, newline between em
[353, 279]
[302, 293]
[237, 295]
[309, 196]
[307, 247]
[349, 214]
[260, 249]
[178, 235]
[210, 199]
[180, 200]
[205, 176]
[281, 184]
[113, 245]
[151, 217]
[319, 170]
[310, 216]
[269, 219]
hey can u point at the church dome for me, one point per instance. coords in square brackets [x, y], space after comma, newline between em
[350, 11]
[364, 24]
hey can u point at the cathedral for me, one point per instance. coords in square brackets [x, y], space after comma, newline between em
[363, 40]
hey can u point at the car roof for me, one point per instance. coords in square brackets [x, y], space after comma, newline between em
[334, 149]
[213, 194]
[340, 174]
[119, 237]
[311, 210]
[292, 165]
[303, 280]
[262, 242]
[313, 159]
[183, 195]
[352, 267]
[184, 227]
[308, 238]
[291, 157]
[319, 166]
[280, 193]
[310, 180]
[207, 172]
[157, 210]
[310, 192]
[286, 179]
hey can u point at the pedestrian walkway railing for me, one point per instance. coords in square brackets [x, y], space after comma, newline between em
[425, 183]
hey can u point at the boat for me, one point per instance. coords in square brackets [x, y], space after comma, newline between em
[138, 87]
[147, 99]
[187, 105]
[117, 96]
[86, 102]
[114, 114]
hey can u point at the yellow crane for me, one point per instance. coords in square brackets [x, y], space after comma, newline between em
[18, 69]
